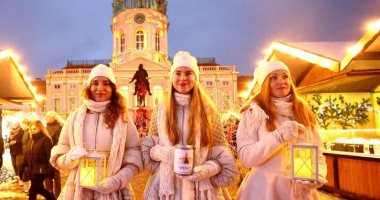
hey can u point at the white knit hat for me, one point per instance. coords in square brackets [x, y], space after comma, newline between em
[185, 59]
[262, 71]
[101, 70]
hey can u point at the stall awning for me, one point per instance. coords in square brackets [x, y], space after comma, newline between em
[14, 87]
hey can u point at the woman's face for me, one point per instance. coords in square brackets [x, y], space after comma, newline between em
[279, 83]
[34, 129]
[183, 80]
[101, 89]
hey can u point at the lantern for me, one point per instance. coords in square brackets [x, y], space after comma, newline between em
[304, 162]
[92, 170]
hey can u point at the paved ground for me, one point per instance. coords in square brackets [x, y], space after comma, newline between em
[12, 190]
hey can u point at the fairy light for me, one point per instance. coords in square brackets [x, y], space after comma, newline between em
[304, 55]
[372, 29]
[22, 69]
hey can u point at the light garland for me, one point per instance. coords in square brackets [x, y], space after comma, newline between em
[9, 53]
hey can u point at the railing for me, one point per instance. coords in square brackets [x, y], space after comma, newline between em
[217, 68]
[88, 62]
[68, 71]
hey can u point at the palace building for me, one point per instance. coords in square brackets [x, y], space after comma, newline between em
[139, 36]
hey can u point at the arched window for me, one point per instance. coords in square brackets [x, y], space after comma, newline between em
[157, 39]
[140, 40]
[122, 43]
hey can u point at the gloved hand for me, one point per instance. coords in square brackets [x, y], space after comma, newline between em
[288, 132]
[204, 171]
[78, 153]
[312, 184]
[163, 154]
[107, 186]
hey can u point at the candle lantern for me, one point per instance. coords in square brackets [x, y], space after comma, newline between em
[304, 162]
[92, 170]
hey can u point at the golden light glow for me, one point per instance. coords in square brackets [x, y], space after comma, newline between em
[373, 29]
[304, 55]
[374, 26]
[354, 50]
[230, 113]
[349, 130]
[10, 53]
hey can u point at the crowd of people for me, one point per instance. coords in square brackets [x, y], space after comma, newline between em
[185, 122]
[30, 143]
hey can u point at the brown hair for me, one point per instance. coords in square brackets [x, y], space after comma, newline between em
[42, 128]
[302, 112]
[116, 108]
[200, 105]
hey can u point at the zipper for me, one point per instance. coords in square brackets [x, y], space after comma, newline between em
[183, 122]
[96, 129]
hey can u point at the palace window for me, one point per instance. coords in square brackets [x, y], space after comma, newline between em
[122, 43]
[157, 39]
[57, 86]
[56, 104]
[140, 40]
[226, 83]
[72, 103]
[72, 86]
[209, 84]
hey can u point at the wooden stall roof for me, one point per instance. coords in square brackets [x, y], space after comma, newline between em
[13, 86]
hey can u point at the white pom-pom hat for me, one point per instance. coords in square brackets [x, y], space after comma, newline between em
[101, 70]
[262, 71]
[185, 59]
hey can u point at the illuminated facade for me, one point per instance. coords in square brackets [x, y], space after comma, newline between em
[140, 36]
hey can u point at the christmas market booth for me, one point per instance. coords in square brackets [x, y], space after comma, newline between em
[340, 81]
[18, 98]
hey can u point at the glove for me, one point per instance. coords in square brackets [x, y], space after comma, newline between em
[107, 186]
[312, 184]
[163, 154]
[301, 188]
[204, 171]
[288, 132]
[78, 153]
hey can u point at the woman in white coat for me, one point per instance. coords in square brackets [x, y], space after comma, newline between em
[273, 119]
[187, 117]
[100, 125]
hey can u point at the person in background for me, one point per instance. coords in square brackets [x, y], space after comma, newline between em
[15, 148]
[53, 126]
[25, 126]
[36, 161]
[187, 117]
[273, 119]
[101, 125]
[1, 149]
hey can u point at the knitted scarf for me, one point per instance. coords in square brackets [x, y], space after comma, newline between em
[165, 172]
[116, 152]
[14, 132]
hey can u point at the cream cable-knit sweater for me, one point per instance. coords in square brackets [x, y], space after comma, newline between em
[219, 152]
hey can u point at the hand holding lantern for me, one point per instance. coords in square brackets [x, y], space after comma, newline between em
[288, 132]
[77, 153]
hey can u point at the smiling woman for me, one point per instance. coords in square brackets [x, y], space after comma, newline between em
[99, 129]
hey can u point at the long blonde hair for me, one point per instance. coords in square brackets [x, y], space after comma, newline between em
[202, 111]
[302, 112]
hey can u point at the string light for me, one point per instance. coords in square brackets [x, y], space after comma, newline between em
[10, 53]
